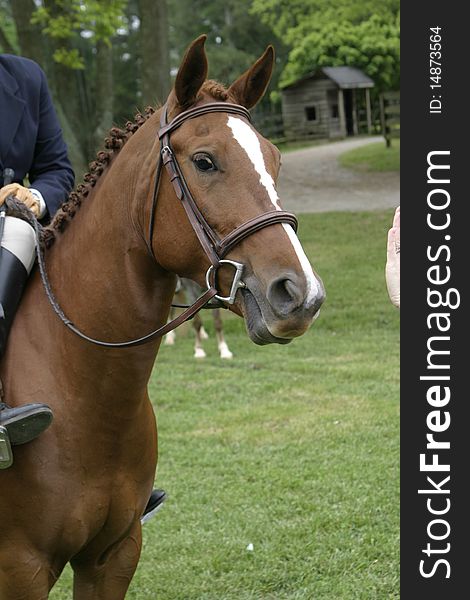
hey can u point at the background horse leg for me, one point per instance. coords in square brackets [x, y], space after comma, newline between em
[179, 297]
[219, 331]
[203, 333]
[198, 328]
[108, 580]
[170, 337]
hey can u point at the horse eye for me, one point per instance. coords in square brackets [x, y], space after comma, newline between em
[204, 163]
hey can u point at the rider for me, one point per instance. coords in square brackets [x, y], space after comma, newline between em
[31, 144]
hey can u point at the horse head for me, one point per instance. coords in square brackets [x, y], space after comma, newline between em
[231, 170]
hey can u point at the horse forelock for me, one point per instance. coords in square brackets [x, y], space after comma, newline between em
[215, 89]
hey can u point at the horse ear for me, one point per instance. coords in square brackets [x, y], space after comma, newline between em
[192, 73]
[250, 87]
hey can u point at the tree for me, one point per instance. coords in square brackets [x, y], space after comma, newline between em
[236, 38]
[28, 35]
[337, 32]
[68, 38]
[80, 44]
[8, 43]
[155, 55]
[372, 45]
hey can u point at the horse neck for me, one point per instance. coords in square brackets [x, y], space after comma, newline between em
[100, 268]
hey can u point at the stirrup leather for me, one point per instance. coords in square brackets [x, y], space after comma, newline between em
[6, 455]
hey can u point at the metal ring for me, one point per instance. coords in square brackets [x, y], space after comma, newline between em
[236, 283]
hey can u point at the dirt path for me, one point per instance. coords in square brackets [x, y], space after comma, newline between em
[312, 180]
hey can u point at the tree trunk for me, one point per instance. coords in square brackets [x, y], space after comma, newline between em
[30, 37]
[68, 87]
[74, 149]
[5, 45]
[155, 71]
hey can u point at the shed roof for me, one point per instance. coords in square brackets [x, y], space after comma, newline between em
[344, 77]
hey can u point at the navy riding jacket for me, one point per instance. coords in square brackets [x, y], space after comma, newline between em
[31, 139]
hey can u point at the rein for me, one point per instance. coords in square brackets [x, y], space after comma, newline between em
[18, 210]
[214, 247]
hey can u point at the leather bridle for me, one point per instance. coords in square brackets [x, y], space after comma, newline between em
[215, 248]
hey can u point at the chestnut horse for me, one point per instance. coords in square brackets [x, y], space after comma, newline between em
[77, 492]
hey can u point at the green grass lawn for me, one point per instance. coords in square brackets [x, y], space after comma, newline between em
[373, 157]
[290, 146]
[294, 449]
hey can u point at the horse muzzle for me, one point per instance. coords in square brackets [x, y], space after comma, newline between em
[285, 310]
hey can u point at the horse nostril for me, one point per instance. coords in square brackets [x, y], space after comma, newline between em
[285, 295]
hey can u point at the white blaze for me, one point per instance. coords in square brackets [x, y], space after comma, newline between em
[249, 141]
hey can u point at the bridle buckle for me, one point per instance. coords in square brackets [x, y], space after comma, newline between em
[236, 282]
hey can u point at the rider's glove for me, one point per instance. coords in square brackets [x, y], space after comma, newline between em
[23, 195]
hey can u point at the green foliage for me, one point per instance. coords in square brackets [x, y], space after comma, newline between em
[236, 38]
[8, 37]
[287, 17]
[67, 20]
[283, 16]
[69, 58]
[337, 32]
[372, 45]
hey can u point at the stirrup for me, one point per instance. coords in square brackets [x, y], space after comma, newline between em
[26, 422]
[6, 455]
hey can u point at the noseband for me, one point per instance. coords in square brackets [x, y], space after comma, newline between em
[215, 248]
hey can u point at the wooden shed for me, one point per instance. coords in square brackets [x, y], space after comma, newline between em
[325, 103]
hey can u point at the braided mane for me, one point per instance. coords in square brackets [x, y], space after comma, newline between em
[113, 143]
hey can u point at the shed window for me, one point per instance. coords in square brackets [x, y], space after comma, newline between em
[311, 113]
[334, 111]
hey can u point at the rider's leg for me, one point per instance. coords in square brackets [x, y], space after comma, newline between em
[17, 255]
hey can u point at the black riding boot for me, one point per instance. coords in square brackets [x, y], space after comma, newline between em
[20, 424]
[157, 497]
